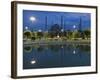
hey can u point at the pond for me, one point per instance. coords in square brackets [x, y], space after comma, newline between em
[53, 56]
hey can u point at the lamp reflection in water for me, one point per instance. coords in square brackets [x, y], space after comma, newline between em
[33, 61]
[56, 56]
[62, 46]
[74, 47]
[74, 52]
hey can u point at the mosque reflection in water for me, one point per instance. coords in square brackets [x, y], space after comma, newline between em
[52, 56]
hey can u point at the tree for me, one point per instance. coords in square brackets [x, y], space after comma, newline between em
[63, 34]
[33, 36]
[69, 34]
[39, 35]
[46, 34]
[54, 30]
[27, 35]
[87, 33]
[77, 34]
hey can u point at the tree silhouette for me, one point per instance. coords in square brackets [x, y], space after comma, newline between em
[55, 30]
[39, 35]
[69, 34]
[87, 33]
[27, 35]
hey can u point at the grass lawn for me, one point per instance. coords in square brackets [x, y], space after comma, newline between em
[57, 41]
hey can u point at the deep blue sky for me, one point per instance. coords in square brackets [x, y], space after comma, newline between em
[69, 19]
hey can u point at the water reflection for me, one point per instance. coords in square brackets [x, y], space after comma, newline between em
[74, 52]
[48, 56]
[33, 61]
[27, 48]
[56, 48]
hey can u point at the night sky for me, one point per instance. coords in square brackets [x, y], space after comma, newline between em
[69, 19]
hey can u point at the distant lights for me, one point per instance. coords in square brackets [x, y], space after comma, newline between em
[32, 18]
[62, 30]
[40, 30]
[74, 26]
[26, 28]
[58, 36]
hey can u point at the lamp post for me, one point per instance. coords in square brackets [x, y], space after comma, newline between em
[62, 32]
[32, 19]
[27, 33]
[74, 27]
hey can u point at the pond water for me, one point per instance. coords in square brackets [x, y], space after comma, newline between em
[51, 56]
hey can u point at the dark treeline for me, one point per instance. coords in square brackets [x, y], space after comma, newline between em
[56, 31]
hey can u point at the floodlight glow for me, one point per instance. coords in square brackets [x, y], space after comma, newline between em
[32, 18]
[74, 26]
[26, 28]
[40, 30]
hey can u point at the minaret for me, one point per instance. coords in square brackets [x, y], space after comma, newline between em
[64, 24]
[62, 21]
[80, 27]
[46, 23]
[80, 24]
[52, 22]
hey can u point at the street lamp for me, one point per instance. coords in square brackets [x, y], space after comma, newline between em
[32, 18]
[39, 30]
[26, 28]
[74, 26]
[62, 30]
[58, 36]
